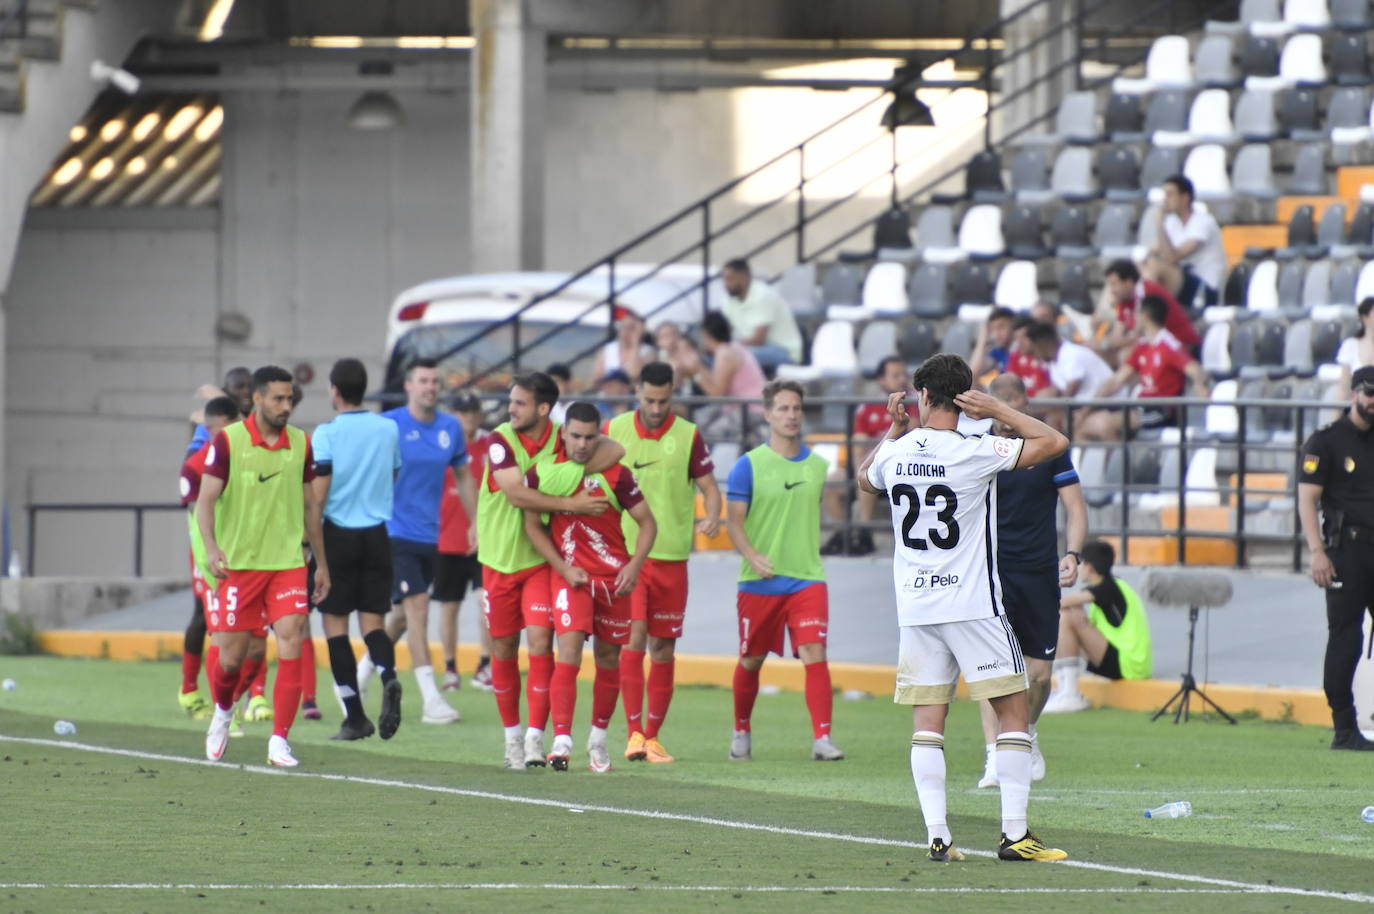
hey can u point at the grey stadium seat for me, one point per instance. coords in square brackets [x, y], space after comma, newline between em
[1072, 178]
[1237, 282]
[928, 290]
[1069, 231]
[1074, 122]
[878, 340]
[1214, 65]
[1118, 169]
[1252, 172]
[1168, 110]
[1344, 276]
[1297, 346]
[1030, 176]
[1349, 61]
[1023, 232]
[1302, 234]
[1159, 164]
[1259, 56]
[1297, 113]
[1073, 286]
[842, 285]
[1331, 229]
[971, 285]
[1309, 171]
[1326, 340]
[1272, 335]
[983, 178]
[958, 339]
[1316, 285]
[1254, 116]
[1114, 234]
[1291, 276]
[1351, 14]
[1349, 107]
[1122, 120]
[917, 342]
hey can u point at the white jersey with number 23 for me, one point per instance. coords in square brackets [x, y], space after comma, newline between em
[943, 490]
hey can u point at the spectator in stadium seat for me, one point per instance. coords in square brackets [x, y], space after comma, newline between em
[1102, 628]
[1022, 362]
[759, 317]
[1124, 289]
[628, 351]
[1161, 365]
[1187, 257]
[1047, 313]
[1357, 351]
[993, 348]
[562, 376]
[1074, 369]
[734, 372]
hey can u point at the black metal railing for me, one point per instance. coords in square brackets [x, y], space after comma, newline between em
[137, 509]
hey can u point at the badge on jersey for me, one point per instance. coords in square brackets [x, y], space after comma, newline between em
[1310, 462]
[1003, 447]
[1350, 464]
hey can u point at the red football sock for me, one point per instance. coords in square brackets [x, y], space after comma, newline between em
[632, 689]
[249, 671]
[308, 669]
[259, 685]
[505, 685]
[223, 683]
[563, 697]
[537, 689]
[286, 697]
[746, 691]
[820, 701]
[660, 696]
[190, 672]
[605, 691]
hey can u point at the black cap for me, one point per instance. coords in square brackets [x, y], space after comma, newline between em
[1363, 377]
[467, 403]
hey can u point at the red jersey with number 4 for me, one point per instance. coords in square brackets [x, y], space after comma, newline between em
[596, 544]
[1032, 372]
[454, 526]
[1162, 366]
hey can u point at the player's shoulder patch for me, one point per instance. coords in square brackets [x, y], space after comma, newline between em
[1310, 462]
[1003, 447]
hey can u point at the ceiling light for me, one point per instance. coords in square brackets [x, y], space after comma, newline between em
[907, 110]
[210, 126]
[137, 166]
[112, 129]
[77, 133]
[213, 26]
[181, 122]
[169, 163]
[68, 172]
[376, 111]
[146, 125]
[103, 169]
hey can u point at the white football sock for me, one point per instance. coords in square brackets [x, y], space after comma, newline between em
[424, 678]
[1014, 772]
[928, 771]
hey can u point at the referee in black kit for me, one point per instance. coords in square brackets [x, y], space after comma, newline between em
[1337, 473]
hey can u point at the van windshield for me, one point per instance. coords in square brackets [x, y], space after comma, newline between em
[434, 341]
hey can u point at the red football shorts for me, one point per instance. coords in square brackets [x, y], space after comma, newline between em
[660, 597]
[249, 601]
[198, 585]
[513, 601]
[593, 608]
[763, 618]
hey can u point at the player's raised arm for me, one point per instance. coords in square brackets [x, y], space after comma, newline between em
[511, 482]
[1040, 442]
[608, 453]
[901, 423]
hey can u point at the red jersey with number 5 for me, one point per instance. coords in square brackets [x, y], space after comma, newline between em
[596, 544]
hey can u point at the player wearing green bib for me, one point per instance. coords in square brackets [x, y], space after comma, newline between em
[255, 506]
[514, 576]
[774, 520]
[670, 460]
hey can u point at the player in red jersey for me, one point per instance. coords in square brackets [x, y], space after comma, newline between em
[456, 570]
[598, 576]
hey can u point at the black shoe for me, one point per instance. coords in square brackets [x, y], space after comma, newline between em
[1351, 739]
[834, 545]
[861, 543]
[940, 852]
[355, 729]
[390, 718]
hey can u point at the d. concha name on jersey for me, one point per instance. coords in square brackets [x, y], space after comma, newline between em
[919, 469]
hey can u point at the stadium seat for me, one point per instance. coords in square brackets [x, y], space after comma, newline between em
[917, 342]
[1072, 178]
[1201, 479]
[1359, 237]
[1222, 421]
[1069, 232]
[1017, 286]
[1259, 58]
[1075, 122]
[1309, 171]
[1147, 226]
[797, 286]
[1074, 291]
[1297, 346]
[983, 178]
[1245, 345]
[970, 285]
[1300, 64]
[1297, 113]
[1327, 337]
[1233, 294]
[1216, 349]
[1298, 15]
[1023, 232]
[1262, 295]
[935, 235]
[1254, 117]
[1251, 11]
[832, 355]
[884, 290]
[877, 341]
[1289, 287]
[1272, 335]
[1118, 170]
[1316, 285]
[1167, 65]
[1159, 164]
[928, 291]
[1167, 112]
[1114, 235]
[1123, 120]
[959, 338]
[1351, 14]
[1030, 176]
[841, 285]
[1349, 61]
[1330, 231]
[1209, 121]
[1214, 66]
[1302, 233]
[1345, 276]
[1348, 117]
[1252, 172]
[980, 232]
[1364, 286]
[1206, 168]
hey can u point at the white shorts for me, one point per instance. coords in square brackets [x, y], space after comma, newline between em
[931, 657]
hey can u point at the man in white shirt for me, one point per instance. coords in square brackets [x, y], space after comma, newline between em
[943, 492]
[1187, 258]
[759, 317]
[1075, 370]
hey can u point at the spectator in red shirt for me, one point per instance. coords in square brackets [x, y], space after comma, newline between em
[1160, 364]
[871, 422]
[1021, 360]
[1125, 289]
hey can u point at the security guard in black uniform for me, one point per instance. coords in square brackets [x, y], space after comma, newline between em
[1338, 473]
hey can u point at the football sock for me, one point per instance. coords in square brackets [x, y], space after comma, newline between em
[746, 689]
[928, 771]
[1014, 772]
[192, 647]
[451, 666]
[308, 675]
[382, 652]
[537, 689]
[563, 697]
[632, 689]
[258, 685]
[484, 660]
[1066, 671]
[286, 695]
[660, 696]
[345, 668]
[820, 700]
[505, 685]
[190, 672]
[223, 683]
[424, 678]
[605, 691]
[248, 673]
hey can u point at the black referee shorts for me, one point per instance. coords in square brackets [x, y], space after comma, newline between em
[454, 575]
[1031, 598]
[359, 570]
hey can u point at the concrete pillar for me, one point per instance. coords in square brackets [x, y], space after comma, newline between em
[507, 121]
[1035, 64]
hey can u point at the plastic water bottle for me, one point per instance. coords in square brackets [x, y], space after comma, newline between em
[1176, 810]
[64, 728]
[1368, 814]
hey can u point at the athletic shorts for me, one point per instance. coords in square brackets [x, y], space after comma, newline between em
[412, 568]
[198, 585]
[1031, 598]
[359, 570]
[1110, 666]
[1195, 294]
[763, 618]
[931, 657]
[250, 601]
[512, 602]
[453, 575]
[660, 597]
[593, 608]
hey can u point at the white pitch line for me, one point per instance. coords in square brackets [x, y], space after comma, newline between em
[610, 887]
[1260, 888]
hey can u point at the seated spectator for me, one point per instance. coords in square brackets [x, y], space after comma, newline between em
[1046, 313]
[1075, 370]
[871, 422]
[1124, 289]
[1022, 362]
[1187, 257]
[759, 317]
[993, 348]
[1161, 365]
[1103, 628]
[1357, 351]
[615, 383]
[628, 351]
[562, 376]
[734, 372]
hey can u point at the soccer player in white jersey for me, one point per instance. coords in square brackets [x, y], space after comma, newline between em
[943, 490]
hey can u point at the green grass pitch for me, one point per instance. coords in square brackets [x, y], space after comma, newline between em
[429, 821]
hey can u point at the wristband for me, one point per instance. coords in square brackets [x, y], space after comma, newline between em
[1076, 557]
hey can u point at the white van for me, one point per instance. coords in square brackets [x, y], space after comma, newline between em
[468, 322]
